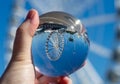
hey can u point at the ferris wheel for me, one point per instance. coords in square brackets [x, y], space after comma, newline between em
[55, 41]
[54, 45]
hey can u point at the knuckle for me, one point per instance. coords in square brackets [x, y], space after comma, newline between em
[20, 29]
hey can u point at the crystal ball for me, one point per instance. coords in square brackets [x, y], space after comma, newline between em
[60, 44]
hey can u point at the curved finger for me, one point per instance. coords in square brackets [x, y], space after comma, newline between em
[65, 80]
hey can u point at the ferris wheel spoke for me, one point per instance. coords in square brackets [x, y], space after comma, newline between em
[54, 45]
[61, 49]
[50, 48]
[50, 44]
[58, 50]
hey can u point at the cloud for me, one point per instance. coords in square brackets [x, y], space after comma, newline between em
[7, 58]
[75, 7]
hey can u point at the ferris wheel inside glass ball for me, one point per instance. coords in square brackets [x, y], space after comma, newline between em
[60, 44]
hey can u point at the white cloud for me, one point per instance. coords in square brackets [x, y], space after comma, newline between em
[75, 7]
[99, 20]
[7, 58]
[100, 50]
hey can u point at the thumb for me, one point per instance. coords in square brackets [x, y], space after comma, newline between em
[23, 39]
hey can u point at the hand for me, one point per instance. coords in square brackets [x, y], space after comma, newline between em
[20, 69]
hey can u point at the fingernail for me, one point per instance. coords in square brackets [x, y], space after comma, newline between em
[30, 15]
[33, 17]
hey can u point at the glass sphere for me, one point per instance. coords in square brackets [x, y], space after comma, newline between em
[60, 44]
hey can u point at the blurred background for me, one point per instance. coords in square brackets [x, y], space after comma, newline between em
[101, 19]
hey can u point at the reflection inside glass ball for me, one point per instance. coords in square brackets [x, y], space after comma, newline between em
[60, 44]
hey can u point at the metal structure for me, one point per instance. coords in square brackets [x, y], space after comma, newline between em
[55, 43]
[114, 72]
[88, 74]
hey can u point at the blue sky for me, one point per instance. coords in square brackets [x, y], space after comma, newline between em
[4, 16]
[98, 16]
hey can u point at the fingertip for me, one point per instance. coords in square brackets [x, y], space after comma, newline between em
[30, 24]
[33, 17]
[65, 80]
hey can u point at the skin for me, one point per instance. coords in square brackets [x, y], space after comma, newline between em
[21, 70]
